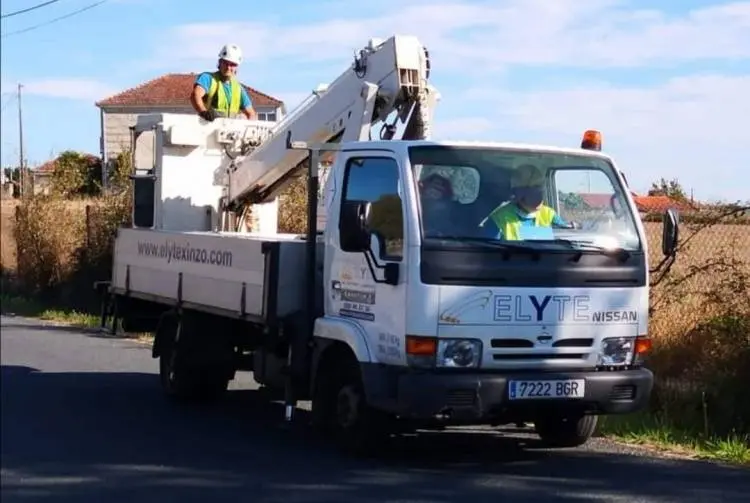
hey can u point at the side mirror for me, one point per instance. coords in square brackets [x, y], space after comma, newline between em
[671, 235]
[354, 226]
[391, 273]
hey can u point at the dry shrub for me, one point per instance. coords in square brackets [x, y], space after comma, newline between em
[65, 245]
[94, 259]
[293, 207]
[701, 326]
[110, 212]
[7, 235]
[48, 232]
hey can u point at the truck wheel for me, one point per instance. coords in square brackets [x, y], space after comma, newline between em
[556, 431]
[183, 379]
[172, 374]
[340, 410]
[188, 382]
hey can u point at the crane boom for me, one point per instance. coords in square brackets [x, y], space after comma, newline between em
[386, 77]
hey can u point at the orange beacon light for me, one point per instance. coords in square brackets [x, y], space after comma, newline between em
[592, 140]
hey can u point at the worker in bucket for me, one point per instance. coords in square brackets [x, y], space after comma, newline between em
[219, 93]
[525, 216]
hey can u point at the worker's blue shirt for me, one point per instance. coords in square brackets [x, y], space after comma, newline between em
[529, 229]
[204, 80]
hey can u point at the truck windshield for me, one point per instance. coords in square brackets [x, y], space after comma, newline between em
[533, 198]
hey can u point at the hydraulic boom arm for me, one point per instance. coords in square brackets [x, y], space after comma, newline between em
[387, 76]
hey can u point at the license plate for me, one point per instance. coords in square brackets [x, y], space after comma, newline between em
[543, 390]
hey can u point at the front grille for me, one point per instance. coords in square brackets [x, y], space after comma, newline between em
[506, 350]
[574, 343]
[511, 343]
[540, 356]
[530, 343]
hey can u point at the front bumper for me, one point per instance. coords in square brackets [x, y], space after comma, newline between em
[478, 397]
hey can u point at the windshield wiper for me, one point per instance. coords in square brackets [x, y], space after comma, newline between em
[506, 246]
[620, 253]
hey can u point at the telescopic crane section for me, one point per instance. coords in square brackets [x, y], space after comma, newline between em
[387, 76]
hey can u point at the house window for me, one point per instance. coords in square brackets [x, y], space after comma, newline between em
[267, 116]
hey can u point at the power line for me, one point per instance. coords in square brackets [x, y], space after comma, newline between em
[91, 6]
[43, 4]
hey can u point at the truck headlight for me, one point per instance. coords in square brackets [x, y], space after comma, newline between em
[616, 351]
[459, 353]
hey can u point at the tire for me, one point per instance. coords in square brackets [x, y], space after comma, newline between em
[185, 380]
[340, 410]
[560, 432]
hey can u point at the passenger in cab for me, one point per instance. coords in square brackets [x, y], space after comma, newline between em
[525, 216]
[436, 194]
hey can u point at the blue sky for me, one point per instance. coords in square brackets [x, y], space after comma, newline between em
[667, 86]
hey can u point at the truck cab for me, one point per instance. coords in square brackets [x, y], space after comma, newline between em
[483, 283]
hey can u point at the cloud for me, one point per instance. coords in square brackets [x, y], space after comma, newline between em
[693, 128]
[650, 77]
[463, 127]
[69, 88]
[490, 35]
[695, 108]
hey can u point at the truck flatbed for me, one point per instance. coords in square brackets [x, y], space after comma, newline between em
[243, 275]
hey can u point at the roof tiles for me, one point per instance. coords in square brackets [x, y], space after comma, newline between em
[173, 89]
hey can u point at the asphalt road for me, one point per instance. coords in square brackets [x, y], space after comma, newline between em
[83, 421]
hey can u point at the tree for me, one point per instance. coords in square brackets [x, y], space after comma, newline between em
[76, 174]
[572, 201]
[669, 188]
[119, 171]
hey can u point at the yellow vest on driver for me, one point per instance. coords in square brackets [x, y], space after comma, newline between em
[508, 221]
[225, 106]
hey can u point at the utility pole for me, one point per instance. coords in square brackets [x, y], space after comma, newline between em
[21, 174]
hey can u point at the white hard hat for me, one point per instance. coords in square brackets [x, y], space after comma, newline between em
[231, 53]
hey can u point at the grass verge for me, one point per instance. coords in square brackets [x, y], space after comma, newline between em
[21, 306]
[25, 307]
[649, 431]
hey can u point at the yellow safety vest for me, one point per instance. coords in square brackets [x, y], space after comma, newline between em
[226, 107]
[507, 220]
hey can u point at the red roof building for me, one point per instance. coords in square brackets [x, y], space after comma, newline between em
[660, 204]
[173, 90]
[645, 204]
[169, 93]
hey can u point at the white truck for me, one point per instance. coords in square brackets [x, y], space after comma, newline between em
[397, 310]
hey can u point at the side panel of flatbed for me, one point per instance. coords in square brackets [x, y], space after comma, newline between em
[213, 269]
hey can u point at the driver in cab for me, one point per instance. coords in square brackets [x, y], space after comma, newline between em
[436, 194]
[525, 216]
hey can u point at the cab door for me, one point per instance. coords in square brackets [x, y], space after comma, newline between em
[352, 292]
